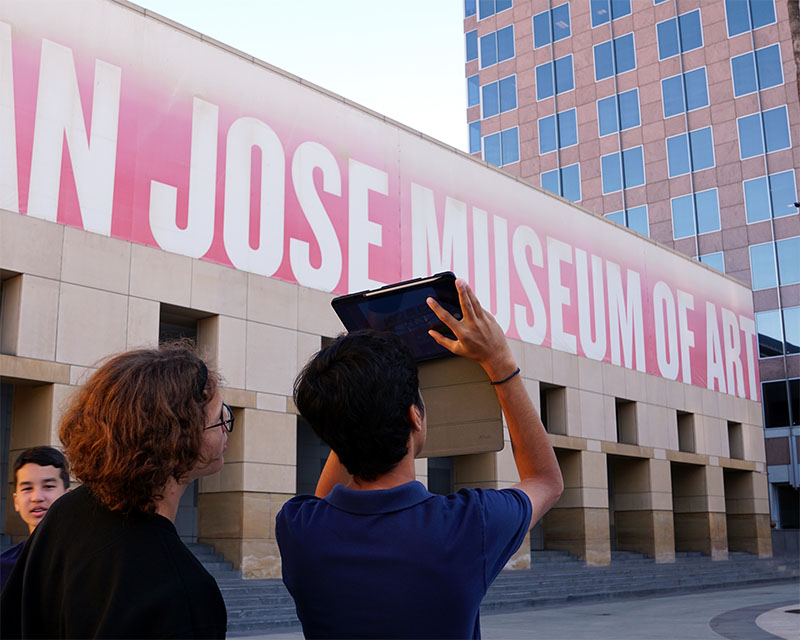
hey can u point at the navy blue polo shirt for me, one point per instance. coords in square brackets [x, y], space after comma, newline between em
[397, 563]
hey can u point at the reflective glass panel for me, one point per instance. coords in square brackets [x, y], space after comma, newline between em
[762, 266]
[491, 149]
[789, 260]
[770, 339]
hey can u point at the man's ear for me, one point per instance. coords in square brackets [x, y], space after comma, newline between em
[16, 506]
[415, 417]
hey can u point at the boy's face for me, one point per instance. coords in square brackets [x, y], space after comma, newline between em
[37, 488]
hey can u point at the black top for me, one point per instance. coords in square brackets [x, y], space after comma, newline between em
[88, 572]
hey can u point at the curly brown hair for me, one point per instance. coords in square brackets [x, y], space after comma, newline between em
[137, 422]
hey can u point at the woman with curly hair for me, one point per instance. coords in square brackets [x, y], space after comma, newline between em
[106, 561]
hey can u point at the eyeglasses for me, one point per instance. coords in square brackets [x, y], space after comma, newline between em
[225, 419]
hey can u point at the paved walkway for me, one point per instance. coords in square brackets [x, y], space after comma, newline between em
[756, 613]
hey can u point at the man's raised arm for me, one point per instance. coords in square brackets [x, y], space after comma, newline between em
[480, 338]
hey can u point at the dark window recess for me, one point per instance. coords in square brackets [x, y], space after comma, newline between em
[626, 422]
[686, 440]
[440, 475]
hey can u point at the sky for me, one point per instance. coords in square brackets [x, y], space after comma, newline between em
[401, 58]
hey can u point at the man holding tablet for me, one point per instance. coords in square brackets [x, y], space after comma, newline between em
[374, 554]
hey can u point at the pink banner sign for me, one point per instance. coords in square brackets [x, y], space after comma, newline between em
[117, 123]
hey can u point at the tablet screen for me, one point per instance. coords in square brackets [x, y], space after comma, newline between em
[404, 312]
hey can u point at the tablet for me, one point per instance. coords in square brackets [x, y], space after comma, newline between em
[402, 309]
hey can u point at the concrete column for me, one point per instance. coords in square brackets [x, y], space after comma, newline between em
[578, 523]
[238, 505]
[642, 498]
[747, 512]
[698, 504]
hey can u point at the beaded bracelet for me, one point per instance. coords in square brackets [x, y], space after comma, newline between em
[496, 382]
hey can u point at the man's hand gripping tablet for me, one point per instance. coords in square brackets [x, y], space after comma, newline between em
[481, 339]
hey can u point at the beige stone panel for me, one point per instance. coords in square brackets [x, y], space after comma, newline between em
[480, 468]
[85, 336]
[446, 372]
[676, 394]
[29, 245]
[32, 417]
[239, 397]
[34, 335]
[263, 436]
[315, 314]
[657, 390]
[749, 533]
[29, 370]
[307, 346]
[143, 321]
[94, 260]
[594, 498]
[712, 401]
[538, 362]
[270, 402]
[10, 309]
[79, 375]
[693, 396]
[595, 419]
[220, 515]
[584, 533]
[635, 385]
[271, 359]
[565, 369]
[218, 289]
[614, 380]
[226, 339]
[753, 440]
[590, 375]
[713, 433]
[161, 276]
[754, 415]
[272, 301]
[273, 478]
[657, 426]
[260, 559]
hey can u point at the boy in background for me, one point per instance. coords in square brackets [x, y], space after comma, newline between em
[41, 476]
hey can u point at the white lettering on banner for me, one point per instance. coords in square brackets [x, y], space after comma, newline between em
[480, 256]
[534, 332]
[362, 232]
[715, 368]
[307, 157]
[502, 284]
[666, 330]
[558, 252]
[195, 239]
[748, 327]
[426, 250]
[9, 189]
[733, 350]
[244, 134]
[685, 304]
[625, 317]
[594, 349]
[59, 116]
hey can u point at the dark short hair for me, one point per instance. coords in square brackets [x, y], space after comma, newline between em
[355, 394]
[137, 422]
[44, 457]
